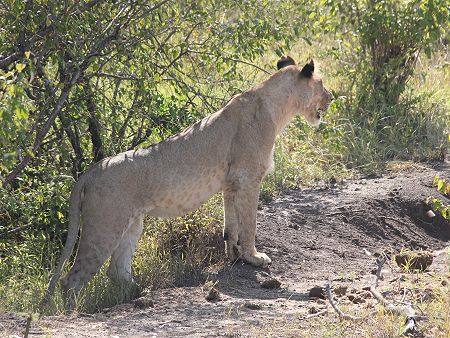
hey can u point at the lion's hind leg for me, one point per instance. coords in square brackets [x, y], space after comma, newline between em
[120, 266]
[97, 242]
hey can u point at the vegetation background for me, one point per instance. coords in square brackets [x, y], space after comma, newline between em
[83, 80]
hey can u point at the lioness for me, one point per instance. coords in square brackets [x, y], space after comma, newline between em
[230, 151]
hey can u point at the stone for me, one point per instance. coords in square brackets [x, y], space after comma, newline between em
[213, 295]
[271, 283]
[317, 292]
[143, 302]
[253, 306]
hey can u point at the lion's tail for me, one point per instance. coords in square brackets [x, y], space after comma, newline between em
[74, 226]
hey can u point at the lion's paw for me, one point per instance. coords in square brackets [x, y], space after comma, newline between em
[258, 259]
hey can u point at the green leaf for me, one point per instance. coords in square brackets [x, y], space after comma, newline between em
[20, 67]
[21, 113]
[440, 184]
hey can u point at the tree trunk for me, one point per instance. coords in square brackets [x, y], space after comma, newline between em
[94, 125]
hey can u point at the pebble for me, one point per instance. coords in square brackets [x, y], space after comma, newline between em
[271, 283]
[317, 292]
[213, 295]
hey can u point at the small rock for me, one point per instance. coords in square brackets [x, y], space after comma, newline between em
[427, 295]
[253, 306]
[213, 295]
[313, 310]
[317, 292]
[365, 294]
[340, 291]
[271, 283]
[367, 252]
[355, 299]
[430, 214]
[143, 302]
[414, 260]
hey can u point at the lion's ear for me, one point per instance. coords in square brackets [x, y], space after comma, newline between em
[285, 61]
[308, 69]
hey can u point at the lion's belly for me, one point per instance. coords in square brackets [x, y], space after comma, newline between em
[186, 197]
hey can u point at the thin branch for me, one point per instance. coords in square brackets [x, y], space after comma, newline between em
[341, 314]
[114, 20]
[95, 50]
[317, 314]
[18, 229]
[43, 132]
[118, 76]
[6, 61]
[401, 222]
[405, 310]
[344, 212]
[231, 59]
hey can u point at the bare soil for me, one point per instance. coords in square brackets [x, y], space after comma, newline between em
[329, 233]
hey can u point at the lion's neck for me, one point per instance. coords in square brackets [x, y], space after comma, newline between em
[279, 103]
[281, 112]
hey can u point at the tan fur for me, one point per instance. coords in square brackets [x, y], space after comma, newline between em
[229, 151]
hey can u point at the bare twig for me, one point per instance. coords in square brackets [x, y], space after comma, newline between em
[317, 314]
[230, 59]
[341, 314]
[6, 61]
[401, 222]
[344, 212]
[394, 219]
[118, 76]
[18, 229]
[98, 46]
[404, 310]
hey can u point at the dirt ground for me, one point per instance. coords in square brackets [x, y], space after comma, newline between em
[330, 233]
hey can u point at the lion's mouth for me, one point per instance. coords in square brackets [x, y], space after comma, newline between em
[318, 113]
[321, 111]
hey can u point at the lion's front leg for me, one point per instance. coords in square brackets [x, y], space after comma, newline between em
[230, 231]
[245, 206]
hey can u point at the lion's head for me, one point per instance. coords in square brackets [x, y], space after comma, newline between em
[312, 98]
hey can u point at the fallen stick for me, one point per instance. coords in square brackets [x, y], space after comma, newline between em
[341, 314]
[405, 310]
[315, 314]
[344, 212]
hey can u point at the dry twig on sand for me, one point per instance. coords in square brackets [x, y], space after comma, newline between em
[401, 310]
[341, 314]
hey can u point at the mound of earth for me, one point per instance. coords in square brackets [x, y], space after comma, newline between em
[313, 236]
